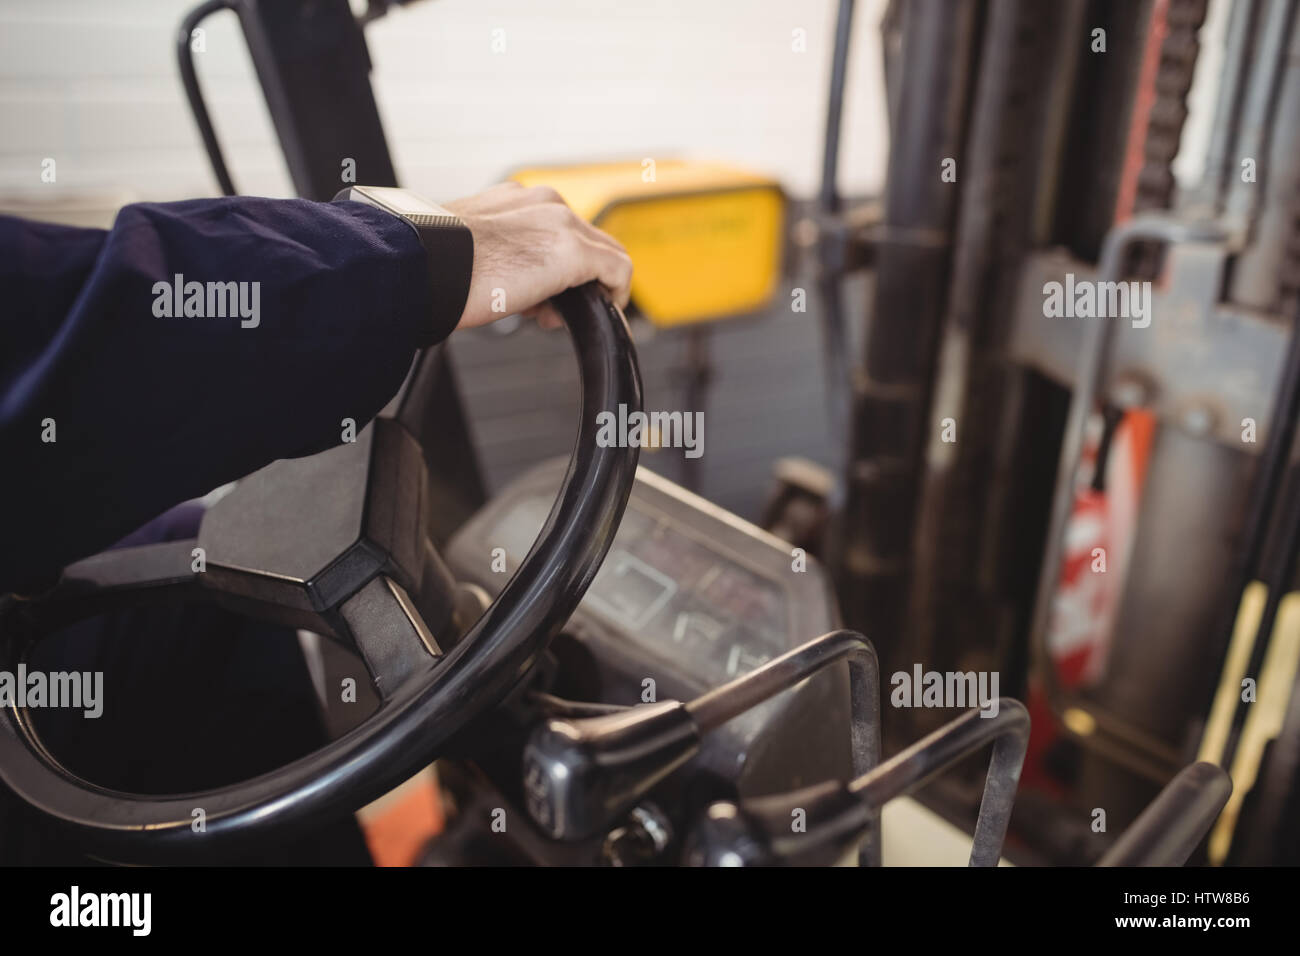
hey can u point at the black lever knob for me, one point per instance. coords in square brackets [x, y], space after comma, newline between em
[581, 774]
[815, 826]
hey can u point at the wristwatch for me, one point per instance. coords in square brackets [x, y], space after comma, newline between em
[447, 242]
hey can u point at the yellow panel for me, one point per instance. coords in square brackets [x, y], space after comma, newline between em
[591, 187]
[701, 257]
[705, 238]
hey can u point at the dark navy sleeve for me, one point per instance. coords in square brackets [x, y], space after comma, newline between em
[120, 397]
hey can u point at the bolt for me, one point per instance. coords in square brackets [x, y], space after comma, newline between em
[1197, 419]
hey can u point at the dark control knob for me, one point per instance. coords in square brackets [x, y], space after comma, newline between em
[580, 775]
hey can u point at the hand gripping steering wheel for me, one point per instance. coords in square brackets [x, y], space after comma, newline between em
[338, 543]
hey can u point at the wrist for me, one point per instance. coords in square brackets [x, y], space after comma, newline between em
[448, 246]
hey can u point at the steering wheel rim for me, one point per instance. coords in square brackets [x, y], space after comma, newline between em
[437, 697]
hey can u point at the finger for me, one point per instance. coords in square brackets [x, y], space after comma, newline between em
[536, 195]
[511, 195]
[601, 236]
[548, 318]
[621, 292]
[613, 270]
[545, 314]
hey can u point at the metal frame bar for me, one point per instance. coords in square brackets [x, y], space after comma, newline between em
[1173, 825]
[911, 768]
[721, 704]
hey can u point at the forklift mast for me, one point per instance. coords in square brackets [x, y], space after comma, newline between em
[1033, 144]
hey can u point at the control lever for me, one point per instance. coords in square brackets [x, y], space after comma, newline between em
[1169, 830]
[582, 775]
[771, 830]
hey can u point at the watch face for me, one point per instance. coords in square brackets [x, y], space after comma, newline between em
[402, 201]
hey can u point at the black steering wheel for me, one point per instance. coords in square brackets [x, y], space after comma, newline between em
[338, 543]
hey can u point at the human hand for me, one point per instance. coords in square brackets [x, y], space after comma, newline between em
[528, 246]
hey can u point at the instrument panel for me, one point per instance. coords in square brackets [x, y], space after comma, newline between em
[686, 585]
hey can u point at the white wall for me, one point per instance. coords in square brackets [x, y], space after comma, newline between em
[93, 84]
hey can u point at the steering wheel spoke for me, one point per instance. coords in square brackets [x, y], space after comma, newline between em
[104, 582]
[390, 634]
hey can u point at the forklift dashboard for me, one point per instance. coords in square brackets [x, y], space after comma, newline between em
[686, 585]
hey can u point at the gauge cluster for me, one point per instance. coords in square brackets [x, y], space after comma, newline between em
[686, 585]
